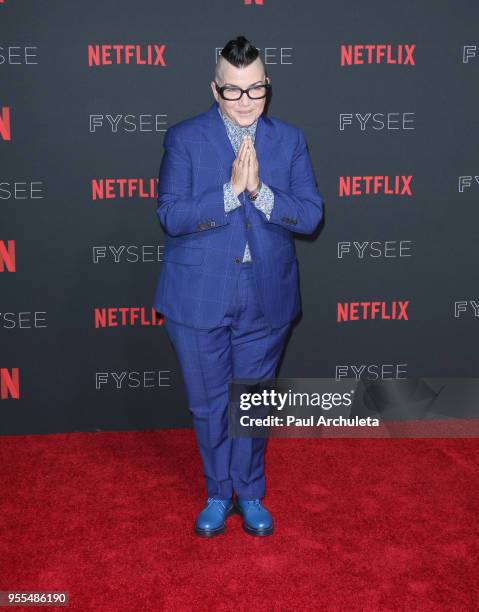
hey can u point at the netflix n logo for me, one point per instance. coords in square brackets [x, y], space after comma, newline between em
[9, 382]
[107, 55]
[5, 127]
[351, 55]
[111, 188]
[7, 256]
[126, 316]
[362, 311]
[374, 185]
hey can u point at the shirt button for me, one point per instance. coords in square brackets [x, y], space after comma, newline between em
[237, 260]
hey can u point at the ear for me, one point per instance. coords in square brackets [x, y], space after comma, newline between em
[213, 89]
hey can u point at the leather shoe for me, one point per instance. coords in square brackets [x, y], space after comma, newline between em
[211, 520]
[257, 520]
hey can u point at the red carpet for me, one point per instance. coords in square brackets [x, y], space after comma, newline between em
[360, 525]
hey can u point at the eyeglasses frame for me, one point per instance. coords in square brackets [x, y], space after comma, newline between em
[221, 89]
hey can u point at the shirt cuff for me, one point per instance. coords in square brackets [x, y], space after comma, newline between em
[231, 201]
[265, 200]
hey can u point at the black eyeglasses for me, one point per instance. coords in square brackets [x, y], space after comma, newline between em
[255, 92]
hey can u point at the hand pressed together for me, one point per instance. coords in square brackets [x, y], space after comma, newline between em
[245, 169]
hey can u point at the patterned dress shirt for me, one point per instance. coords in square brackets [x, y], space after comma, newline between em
[265, 199]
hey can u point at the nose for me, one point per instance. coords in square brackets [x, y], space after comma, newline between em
[244, 100]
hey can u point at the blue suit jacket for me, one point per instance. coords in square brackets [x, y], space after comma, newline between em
[205, 245]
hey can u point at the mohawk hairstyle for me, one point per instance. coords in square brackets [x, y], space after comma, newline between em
[239, 52]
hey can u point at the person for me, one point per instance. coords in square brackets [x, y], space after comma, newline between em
[234, 185]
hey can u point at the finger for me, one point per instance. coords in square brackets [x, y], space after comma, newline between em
[241, 161]
[243, 153]
[245, 162]
[243, 145]
[240, 150]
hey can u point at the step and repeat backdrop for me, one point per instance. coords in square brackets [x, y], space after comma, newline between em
[386, 94]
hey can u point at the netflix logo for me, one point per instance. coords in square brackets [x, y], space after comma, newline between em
[362, 311]
[7, 256]
[123, 188]
[5, 125]
[354, 55]
[9, 383]
[127, 316]
[139, 55]
[374, 185]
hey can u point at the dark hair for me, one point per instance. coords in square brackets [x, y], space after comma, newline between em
[239, 52]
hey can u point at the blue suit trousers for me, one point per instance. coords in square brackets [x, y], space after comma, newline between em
[242, 346]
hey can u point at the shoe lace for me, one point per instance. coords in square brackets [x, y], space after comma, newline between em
[216, 500]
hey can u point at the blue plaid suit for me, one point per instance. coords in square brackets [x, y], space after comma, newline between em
[228, 319]
[205, 245]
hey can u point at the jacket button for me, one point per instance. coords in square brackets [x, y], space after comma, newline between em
[237, 260]
[248, 224]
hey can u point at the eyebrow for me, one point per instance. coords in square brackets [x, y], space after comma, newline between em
[233, 85]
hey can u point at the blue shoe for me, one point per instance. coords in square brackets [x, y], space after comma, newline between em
[211, 520]
[257, 520]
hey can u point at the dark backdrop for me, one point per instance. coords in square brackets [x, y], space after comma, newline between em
[65, 256]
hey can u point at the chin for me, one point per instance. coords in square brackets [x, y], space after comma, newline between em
[247, 119]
